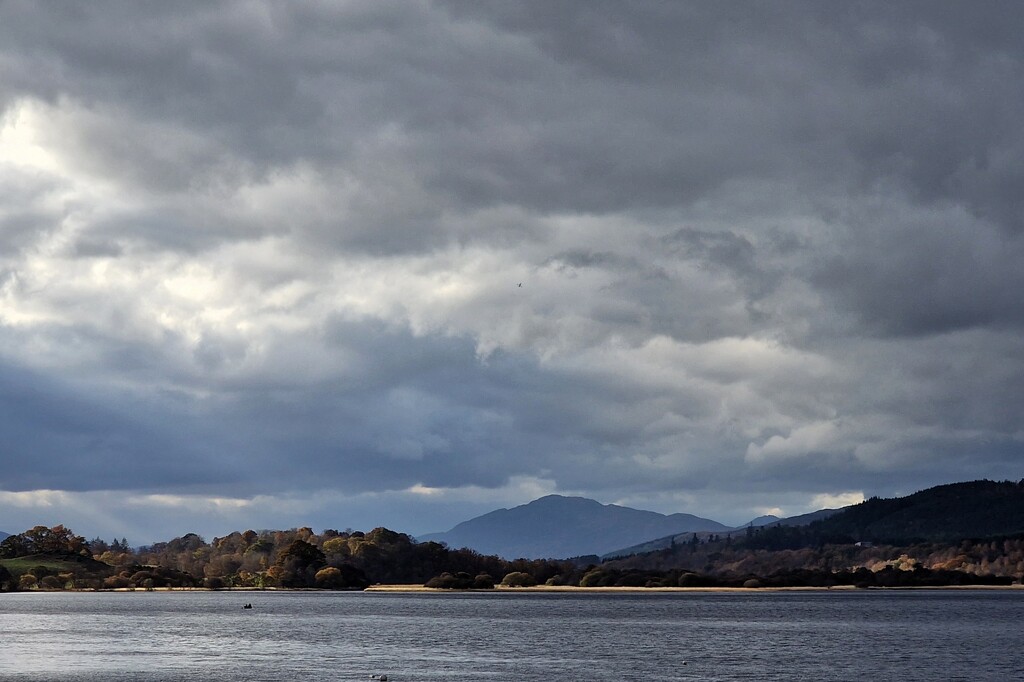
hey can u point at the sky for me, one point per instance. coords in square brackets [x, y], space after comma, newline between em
[351, 264]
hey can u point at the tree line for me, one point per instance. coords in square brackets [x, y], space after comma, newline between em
[57, 558]
[777, 551]
[295, 558]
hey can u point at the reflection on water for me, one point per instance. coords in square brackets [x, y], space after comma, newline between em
[298, 636]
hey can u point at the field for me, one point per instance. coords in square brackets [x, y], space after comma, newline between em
[55, 564]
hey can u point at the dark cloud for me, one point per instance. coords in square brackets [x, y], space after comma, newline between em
[57, 436]
[930, 273]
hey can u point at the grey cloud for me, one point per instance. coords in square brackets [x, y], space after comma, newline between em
[485, 100]
[91, 248]
[26, 212]
[569, 107]
[735, 254]
[413, 412]
[934, 273]
[794, 90]
[57, 437]
[585, 258]
[970, 378]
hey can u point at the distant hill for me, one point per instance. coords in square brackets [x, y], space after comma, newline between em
[945, 513]
[561, 527]
[4, 535]
[762, 521]
[681, 538]
[805, 519]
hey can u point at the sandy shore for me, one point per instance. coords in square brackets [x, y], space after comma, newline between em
[542, 589]
[545, 589]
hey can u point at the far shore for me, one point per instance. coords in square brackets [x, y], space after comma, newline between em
[547, 589]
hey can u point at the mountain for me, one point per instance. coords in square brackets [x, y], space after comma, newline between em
[761, 521]
[4, 536]
[561, 527]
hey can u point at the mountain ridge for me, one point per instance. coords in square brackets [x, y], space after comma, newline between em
[970, 512]
[760, 522]
[557, 526]
[565, 526]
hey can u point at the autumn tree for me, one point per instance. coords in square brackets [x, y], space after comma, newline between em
[300, 562]
[43, 540]
[7, 581]
[518, 579]
[343, 578]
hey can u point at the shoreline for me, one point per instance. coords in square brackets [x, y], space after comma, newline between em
[554, 589]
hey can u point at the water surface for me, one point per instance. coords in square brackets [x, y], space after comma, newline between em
[297, 636]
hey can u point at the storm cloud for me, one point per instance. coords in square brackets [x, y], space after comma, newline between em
[349, 264]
